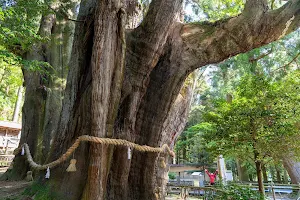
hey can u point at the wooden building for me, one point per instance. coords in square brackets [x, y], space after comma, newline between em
[10, 133]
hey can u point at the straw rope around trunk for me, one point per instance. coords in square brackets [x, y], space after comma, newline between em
[86, 138]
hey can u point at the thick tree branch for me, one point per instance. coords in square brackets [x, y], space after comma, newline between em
[147, 40]
[207, 43]
[255, 7]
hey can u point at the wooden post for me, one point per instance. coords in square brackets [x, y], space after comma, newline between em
[222, 168]
[298, 196]
[273, 192]
[6, 147]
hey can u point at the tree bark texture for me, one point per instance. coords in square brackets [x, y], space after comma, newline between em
[293, 169]
[242, 172]
[278, 174]
[285, 177]
[259, 173]
[133, 93]
[43, 96]
[15, 117]
[34, 105]
[265, 175]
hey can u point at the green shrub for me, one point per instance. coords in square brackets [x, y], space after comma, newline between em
[236, 192]
[172, 175]
[41, 192]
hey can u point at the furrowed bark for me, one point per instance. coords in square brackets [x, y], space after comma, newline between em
[278, 175]
[43, 96]
[18, 105]
[34, 105]
[107, 64]
[59, 52]
[255, 7]
[242, 171]
[259, 173]
[75, 118]
[173, 127]
[265, 175]
[293, 169]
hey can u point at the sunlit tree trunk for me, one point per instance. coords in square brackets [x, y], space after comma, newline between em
[293, 169]
[265, 175]
[242, 172]
[278, 174]
[43, 90]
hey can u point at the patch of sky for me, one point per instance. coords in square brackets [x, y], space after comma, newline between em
[192, 12]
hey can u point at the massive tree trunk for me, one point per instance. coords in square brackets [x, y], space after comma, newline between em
[34, 105]
[293, 169]
[242, 171]
[58, 56]
[44, 89]
[130, 95]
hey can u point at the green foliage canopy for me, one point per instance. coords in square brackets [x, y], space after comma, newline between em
[262, 116]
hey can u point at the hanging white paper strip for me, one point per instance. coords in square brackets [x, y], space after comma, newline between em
[47, 176]
[129, 153]
[23, 151]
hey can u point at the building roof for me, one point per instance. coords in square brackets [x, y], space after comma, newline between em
[182, 168]
[196, 174]
[12, 127]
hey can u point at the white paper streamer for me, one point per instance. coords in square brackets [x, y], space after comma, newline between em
[129, 153]
[47, 176]
[23, 151]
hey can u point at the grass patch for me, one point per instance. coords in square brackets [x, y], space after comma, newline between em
[41, 192]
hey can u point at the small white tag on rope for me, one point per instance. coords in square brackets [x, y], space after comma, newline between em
[129, 153]
[23, 151]
[47, 176]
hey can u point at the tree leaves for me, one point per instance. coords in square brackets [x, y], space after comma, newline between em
[255, 117]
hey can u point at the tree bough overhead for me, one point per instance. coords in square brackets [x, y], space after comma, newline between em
[123, 84]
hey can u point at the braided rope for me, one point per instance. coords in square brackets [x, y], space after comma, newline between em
[117, 142]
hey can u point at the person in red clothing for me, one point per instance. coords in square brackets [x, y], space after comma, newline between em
[212, 176]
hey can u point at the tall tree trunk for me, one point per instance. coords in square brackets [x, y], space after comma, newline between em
[242, 171]
[173, 127]
[58, 53]
[251, 177]
[34, 105]
[42, 104]
[258, 165]
[278, 174]
[257, 159]
[272, 172]
[18, 105]
[293, 169]
[285, 177]
[264, 170]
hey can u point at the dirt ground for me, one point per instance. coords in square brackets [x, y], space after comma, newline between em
[10, 190]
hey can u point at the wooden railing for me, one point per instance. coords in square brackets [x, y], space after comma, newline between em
[208, 192]
[5, 160]
[185, 191]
